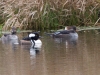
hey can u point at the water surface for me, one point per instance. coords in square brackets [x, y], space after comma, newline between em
[57, 56]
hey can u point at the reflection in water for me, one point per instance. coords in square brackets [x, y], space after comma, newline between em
[32, 52]
[10, 40]
[80, 58]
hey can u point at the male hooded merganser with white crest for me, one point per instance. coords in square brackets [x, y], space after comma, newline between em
[32, 39]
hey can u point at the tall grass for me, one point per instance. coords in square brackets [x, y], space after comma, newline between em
[47, 14]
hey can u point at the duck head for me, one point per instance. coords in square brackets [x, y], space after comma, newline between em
[70, 28]
[13, 30]
[33, 37]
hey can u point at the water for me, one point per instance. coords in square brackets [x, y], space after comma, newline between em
[57, 56]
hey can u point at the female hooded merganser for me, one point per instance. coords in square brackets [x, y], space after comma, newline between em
[69, 36]
[10, 38]
[68, 32]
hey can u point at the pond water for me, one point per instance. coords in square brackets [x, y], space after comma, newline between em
[56, 57]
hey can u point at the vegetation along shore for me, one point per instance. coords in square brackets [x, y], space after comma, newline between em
[48, 14]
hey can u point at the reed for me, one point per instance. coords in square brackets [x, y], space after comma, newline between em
[47, 14]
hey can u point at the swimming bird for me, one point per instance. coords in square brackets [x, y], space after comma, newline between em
[69, 36]
[33, 39]
[68, 32]
[10, 38]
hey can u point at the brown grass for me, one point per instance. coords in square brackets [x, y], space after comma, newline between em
[26, 14]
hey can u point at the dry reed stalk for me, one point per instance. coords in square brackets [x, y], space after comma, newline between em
[97, 21]
[21, 13]
[25, 11]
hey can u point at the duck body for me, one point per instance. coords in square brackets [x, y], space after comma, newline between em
[10, 39]
[63, 32]
[38, 43]
[66, 36]
[25, 41]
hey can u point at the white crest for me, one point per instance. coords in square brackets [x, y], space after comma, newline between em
[31, 35]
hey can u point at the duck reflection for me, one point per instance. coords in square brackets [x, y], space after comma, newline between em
[32, 51]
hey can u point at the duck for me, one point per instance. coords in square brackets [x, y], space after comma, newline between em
[11, 37]
[33, 39]
[70, 31]
[69, 36]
